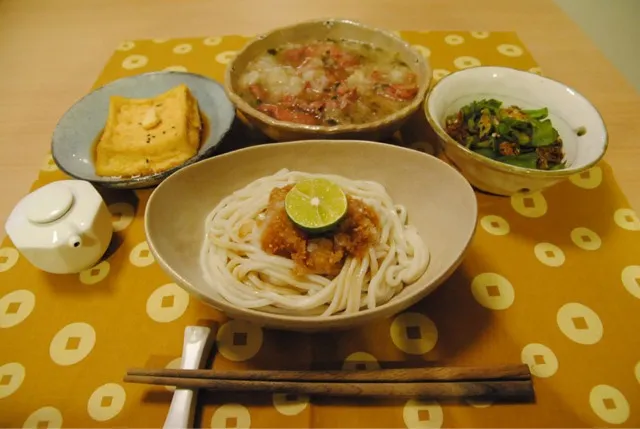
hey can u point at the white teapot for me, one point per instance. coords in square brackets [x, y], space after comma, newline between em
[63, 227]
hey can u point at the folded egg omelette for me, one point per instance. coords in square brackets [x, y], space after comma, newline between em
[147, 136]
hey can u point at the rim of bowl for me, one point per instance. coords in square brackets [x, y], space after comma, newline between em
[150, 179]
[243, 106]
[223, 305]
[501, 165]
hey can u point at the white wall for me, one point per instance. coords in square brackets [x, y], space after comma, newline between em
[614, 27]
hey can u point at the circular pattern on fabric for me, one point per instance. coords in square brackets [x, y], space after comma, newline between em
[239, 340]
[627, 219]
[466, 62]
[423, 50]
[176, 69]
[588, 179]
[454, 39]
[440, 73]
[495, 225]
[479, 404]
[15, 307]
[531, 205]
[45, 417]
[133, 62]
[536, 70]
[49, 164]
[11, 378]
[173, 364]
[630, 279]
[182, 49]
[541, 360]
[141, 256]
[226, 57]
[122, 215]
[637, 371]
[167, 303]
[422, 146]
[106, 402]
[231, 416]
[510, 50]
[419, 414]
[414, 333]
[609, 404]
[126, 46]
[212, 41]
[289, 404]
[360, 361]
[8, 258]
[549, 254]
[579, 323]
[480, 34]
[492, 291]
[72, 343]
[585, 238]
[95, 274]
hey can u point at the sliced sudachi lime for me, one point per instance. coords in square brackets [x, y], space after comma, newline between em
[316, 205]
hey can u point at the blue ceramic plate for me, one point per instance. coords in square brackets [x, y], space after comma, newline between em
[75, 135]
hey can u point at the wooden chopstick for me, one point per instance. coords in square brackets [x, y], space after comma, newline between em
[499, 373]
[479, 390]
[509, 382]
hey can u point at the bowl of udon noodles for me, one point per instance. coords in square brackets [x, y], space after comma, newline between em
[222, 230]
[330, 78]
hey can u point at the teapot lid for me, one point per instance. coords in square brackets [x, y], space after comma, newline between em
[48, 203]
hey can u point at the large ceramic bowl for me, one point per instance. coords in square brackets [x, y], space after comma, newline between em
[439, 202]
[75, 136]
[579, 124]
[317, 30]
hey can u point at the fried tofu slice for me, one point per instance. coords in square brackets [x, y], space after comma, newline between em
[147, 136]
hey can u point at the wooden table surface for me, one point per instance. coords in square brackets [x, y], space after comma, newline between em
[52, 50]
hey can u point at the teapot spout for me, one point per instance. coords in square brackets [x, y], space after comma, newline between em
[75, 241]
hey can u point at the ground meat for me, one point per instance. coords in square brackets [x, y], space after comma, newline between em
[324, 254]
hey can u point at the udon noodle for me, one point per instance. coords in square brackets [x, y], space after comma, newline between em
[236, 266]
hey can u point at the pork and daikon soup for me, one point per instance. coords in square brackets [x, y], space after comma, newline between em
[328, 83]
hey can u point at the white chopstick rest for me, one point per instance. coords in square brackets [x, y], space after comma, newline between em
[195, 350]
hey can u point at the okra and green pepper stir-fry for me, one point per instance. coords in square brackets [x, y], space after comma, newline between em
[523, 138]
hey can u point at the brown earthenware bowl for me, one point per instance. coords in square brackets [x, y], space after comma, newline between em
[318, 30]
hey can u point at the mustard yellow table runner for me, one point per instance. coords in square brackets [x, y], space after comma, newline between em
[551, 279]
